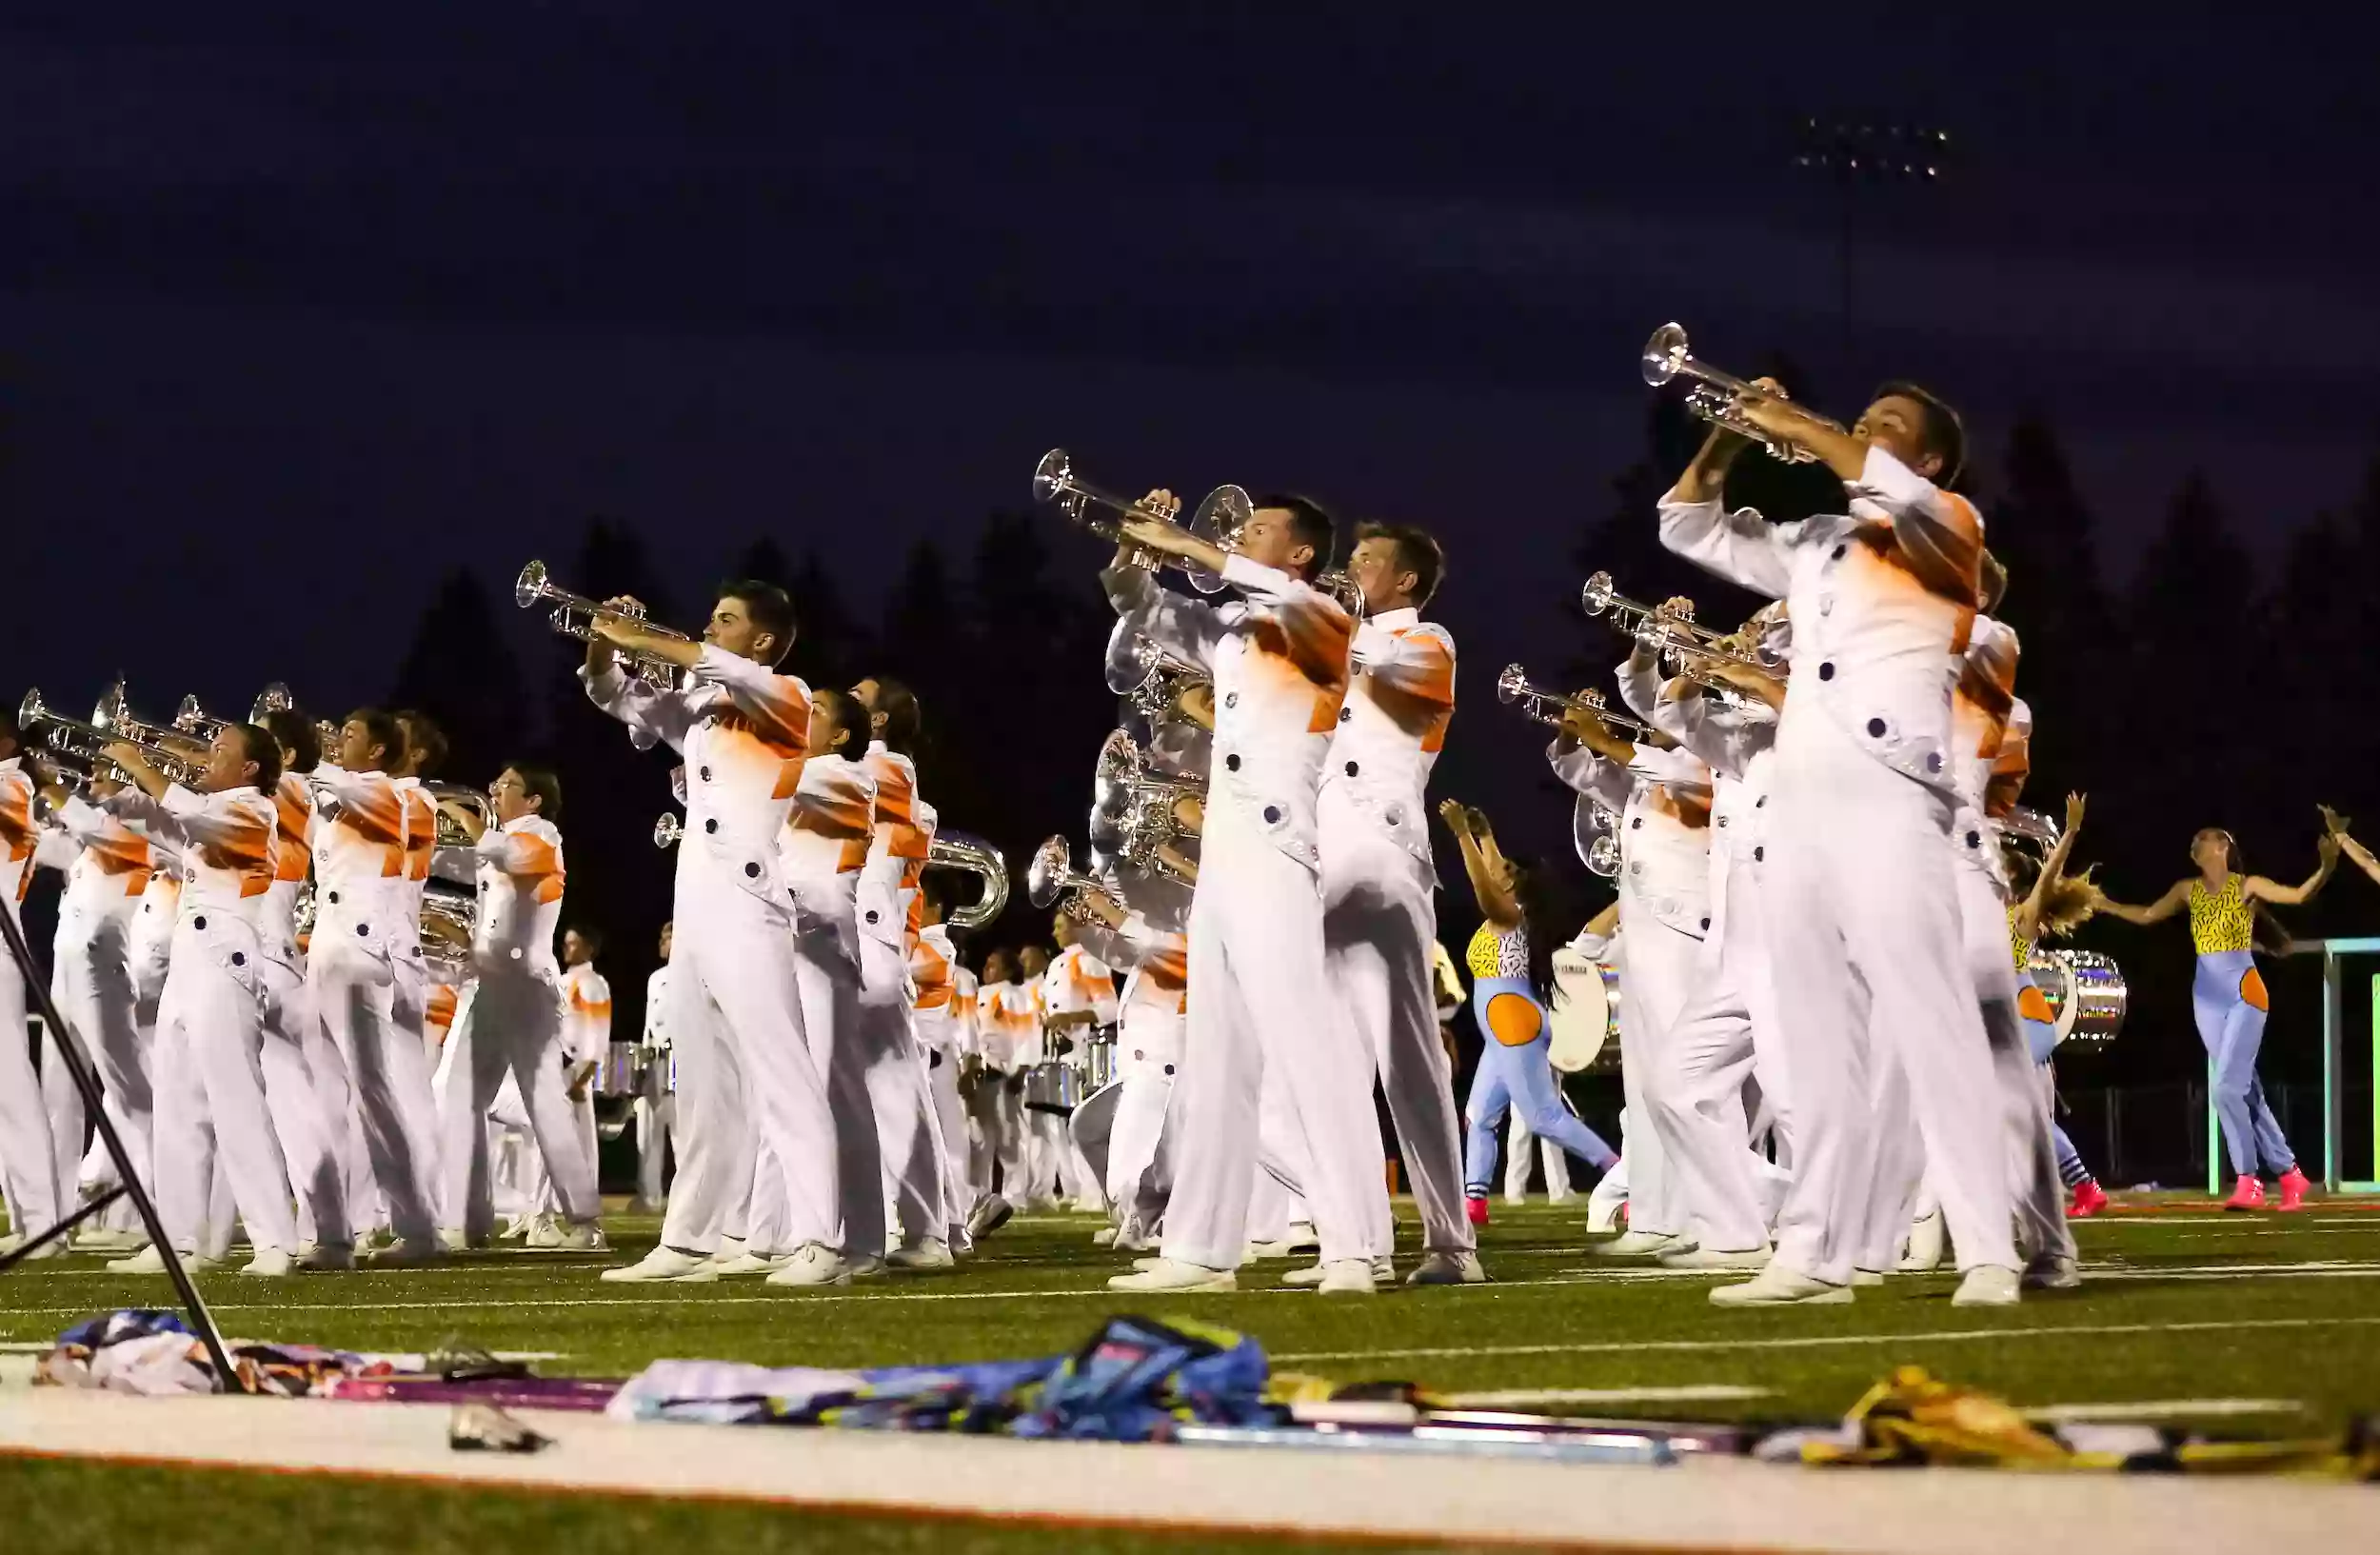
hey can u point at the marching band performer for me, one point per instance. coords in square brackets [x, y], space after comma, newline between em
[585, 1039]
[1078, 999]
[29, 1165]
[367, 924]
[208, 1080]
[1008, 1032]
[945, 1017]
[1378, 916]
[1863, 915]
[657, 1103]
[1042, 1134]
[1662, 797]
[1146, 941]
[1512, 985]
[514, 1023]
[1278, 659]
[820, 852]
[2229, 999]
[907, 1126]
[744, 1066]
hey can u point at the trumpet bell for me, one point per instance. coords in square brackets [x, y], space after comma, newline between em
[1053, 475]
[1596, 594]
[1218, 521]
[1046, 878]
[530, 586]
[667, 830]
[1513, 684]
[30, 710]
[1603, 856]
[274, 698]
[1131, 659]
[1664, 354]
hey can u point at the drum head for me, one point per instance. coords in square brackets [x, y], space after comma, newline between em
[1581, 1017]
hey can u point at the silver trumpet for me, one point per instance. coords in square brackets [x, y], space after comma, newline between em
[1712, 394]
[85, 741]
[1219, 520]
[1140, 672]
[1051, 881]
[114, 717]
[1675, 636]
[668, 829]
[958, 851]
[193, 719]
[575, 616]
[1547, 707]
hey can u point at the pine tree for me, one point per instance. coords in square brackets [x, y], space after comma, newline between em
[459, 670]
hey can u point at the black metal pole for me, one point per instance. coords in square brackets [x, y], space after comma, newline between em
[69, 1048]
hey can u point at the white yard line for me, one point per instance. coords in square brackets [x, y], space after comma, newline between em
[1915, 1336]
[1690, 1393]
[2060, 1414]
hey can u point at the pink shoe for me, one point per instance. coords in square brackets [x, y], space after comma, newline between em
[2089, 1199]
[1474, 1209]
[2249, 1194]
[2293, 1190]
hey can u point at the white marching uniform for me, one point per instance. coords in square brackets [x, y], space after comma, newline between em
[821, 849]
[585, 1042]
[1727, 1027]
[28, 1163]
[1150, 1025]
[367, 915]
[1278, 659]
[657, 1106]
[908, 1130]
[1008, 1037]
[91, 978]
[746, 1072]
[1862, 907]
[511, 1027]
[945, 1017]
[1663, 802]
[1379, 917]
[313, 1140]
[1076, 983]
[208, 1077]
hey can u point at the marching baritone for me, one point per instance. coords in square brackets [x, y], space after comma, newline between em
[1380, 919]
[1279, 660]
[745, 1072]
[1864, 924]
[513, 1023]
[208, 1080]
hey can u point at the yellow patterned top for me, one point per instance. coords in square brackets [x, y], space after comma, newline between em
[1499, 952]
[2220, 921]
[2019, 946]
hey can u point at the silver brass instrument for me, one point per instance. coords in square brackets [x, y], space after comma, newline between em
[114, 717]
[668, 829]
[575, 616]
[1677, 637]
[192, 718]
[1051, 881]
[956, 850]
[1219, 520]
[457, 909]
[1546, 707]
[1139, 803]
[1140, 672]
[450, 834]
[2086, 993]
[1712, 394]
[87, 740]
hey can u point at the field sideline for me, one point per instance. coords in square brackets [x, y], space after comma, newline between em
[2262, 1324]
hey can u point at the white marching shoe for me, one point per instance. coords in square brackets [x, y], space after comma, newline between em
[1316, 1275]
[925, 1253]
[1639, 1245]
[745, 1263]
[1448, 1268]
[150, 1261]
[1167, 1275]
[326, 1257]
[870, 1267]
[1925, 1245]
[269, 1264]
[1987, 1284]
[1605, 1202]
[815, 1263]
[665, 1265]
[1352, 1277]
[1777, 1285]
[55, 1247]
[1713, 1258]
[2051, 1271]
[583, 1236]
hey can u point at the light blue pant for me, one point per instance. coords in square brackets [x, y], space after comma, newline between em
[2234, 1032]
[1520, 1077]
[2042, 1037]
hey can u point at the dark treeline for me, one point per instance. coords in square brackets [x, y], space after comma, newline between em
[2177, 687]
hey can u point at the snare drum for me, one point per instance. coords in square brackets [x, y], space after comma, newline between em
[1053, 1088]
[621, 1071]
[1585, 1016]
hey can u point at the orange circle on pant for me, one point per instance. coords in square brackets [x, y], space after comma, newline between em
[1513, 1020]
[2033, 1005]
[2252, 989]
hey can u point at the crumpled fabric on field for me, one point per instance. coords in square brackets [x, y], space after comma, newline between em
[1132, 1381]
[154, 1353]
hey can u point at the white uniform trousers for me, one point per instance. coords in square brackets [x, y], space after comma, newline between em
[512, 1027]
[29, 1158]
[1710, 1053]
[1659, 973]
[90, 981]
[893, 1070]
[829, 984]
[1865, 953]
[356, 991]
[656, 1128]
[950, 1137]
[1378, 926]
[209, 1090]
[1146, 1062]
[312, 1140]
[745, 1073]
[1011, 1139]
[1262, 1010]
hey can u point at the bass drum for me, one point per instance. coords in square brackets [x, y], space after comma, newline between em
[2086, 993]
[1585, 1017]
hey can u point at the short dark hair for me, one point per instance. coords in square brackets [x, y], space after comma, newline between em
[258, 745]
[900, 707]
[1310, 521]
[844, 710]
[588, 932]
[380, 727]
[425, 741]
[770, 608]
[295, 732]
[543, 785]
[1944, 434]
[1417, 552]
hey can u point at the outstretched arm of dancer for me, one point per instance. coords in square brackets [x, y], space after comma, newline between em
[2029, 914]
[2155, 913]
[2257, 889]
[1490, 885]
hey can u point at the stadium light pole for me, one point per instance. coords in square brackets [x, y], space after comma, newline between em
[1863, 153]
